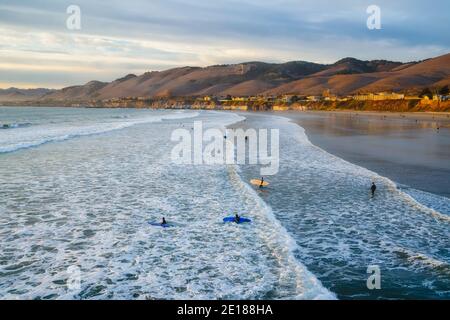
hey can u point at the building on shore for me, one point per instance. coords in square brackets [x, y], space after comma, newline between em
[379, 96]
[239, 99]
[280, 108]
[241, 108]
[328, 96]
[314, 98]
[440, 97]
[289, 98]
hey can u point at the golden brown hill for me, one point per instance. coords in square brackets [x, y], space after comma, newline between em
[344, 77]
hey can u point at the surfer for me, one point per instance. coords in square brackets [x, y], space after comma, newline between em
[164, 222]
[373, 189]
[262, 182]
[237, 218]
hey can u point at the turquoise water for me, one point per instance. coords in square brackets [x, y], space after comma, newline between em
[80, 186]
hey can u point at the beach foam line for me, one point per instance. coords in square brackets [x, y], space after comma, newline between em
[391, 184]
[6, 126]
[291, 271]
[421, 260]
[94, 130]
[422, 207]
[224, 124]
[436, 202]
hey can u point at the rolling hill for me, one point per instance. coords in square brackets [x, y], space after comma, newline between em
[16, 95]
[346, 76]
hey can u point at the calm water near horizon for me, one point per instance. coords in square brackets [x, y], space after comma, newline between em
[80, 186]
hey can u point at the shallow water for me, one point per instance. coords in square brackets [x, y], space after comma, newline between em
[406, 148]
[324, 202]
[81, 189]
[87, 202]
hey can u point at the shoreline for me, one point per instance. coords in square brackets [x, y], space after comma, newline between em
[440, 119]
[444, 114]
[246, 104]
[412, 154]
[369, 112]
[408, 150]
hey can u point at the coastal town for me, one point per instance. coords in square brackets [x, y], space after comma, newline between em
[382, 101]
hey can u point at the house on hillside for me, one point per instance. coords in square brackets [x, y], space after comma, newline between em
[331, 98]
[289, 98]
[280, 108]
[328, 96]
[314, 98]
[239, 99]
[439, 97]
[379, 96]
[241, 108]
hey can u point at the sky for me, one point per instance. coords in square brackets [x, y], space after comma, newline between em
[135, 36]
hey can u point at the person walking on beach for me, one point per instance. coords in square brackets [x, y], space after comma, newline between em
[373, 189]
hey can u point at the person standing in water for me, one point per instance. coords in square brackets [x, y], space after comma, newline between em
[373, 189]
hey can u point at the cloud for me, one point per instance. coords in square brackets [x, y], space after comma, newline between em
[135, 36]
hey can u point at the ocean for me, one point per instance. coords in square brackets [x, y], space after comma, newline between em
[80, 186]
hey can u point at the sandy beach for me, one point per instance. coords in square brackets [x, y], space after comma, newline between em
[409, 148]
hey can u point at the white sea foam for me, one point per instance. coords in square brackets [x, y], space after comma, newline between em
[291, 271]
[91, 209]
[39, 135]
[413, 196]
[325, 205]
[421, 260]
[5, 126]
[315, 230]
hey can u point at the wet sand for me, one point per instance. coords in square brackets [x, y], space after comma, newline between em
[410, 149]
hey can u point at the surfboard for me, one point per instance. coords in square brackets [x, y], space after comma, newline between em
[156, 224]
[257, 182]
[233, 219]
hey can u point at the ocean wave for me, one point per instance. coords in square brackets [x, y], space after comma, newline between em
[76, 132]
[325, 205]
[6, 126]
[421, 260]
[292, 272]
[120, 256]
[436, 202]
[393, 187]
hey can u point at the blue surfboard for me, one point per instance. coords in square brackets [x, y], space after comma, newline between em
[233, 219]
[156, 224]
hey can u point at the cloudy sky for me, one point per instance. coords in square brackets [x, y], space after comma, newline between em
[134, 36]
